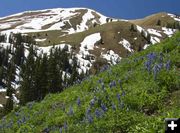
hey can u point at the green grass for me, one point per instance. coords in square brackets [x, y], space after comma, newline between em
[145, 101]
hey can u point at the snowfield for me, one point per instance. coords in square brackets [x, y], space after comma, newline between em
[55, 18]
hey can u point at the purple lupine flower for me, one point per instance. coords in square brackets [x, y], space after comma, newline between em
[23, 119]
[60, 130]
[148, 66]
[71, 112]
[90, 119]
[103, 107]
[155, 71]
[46, 130]
[120, 83]
[19, 123]
[123, 93]
[78, 102]
[92, 102]
[100, 80]
[151, 56]
[88, 111]
[65, 126]
[168, 64]
[160, 66]
[97, 113]
[110, 85]
[17, 114]
[113, 106]
[113, 83]
[118, 97]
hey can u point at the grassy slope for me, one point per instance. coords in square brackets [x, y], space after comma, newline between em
[152, 20]
[144, 103]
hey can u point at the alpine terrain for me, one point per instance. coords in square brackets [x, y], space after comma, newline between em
[76, 70]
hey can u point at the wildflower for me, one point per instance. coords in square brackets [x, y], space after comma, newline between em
[19, 123]
[92, 102]
[60, 130]
[148, 65]
[100, 80]
[118, 97]
[151, 56]
[155, 71]
[113, 106]
[123, 93]
[65, 126]
[88, 111]
[46, 130]
[168, 65]
[97, 113]
[114, 83]
[71, 112]
[78, 101]
[110, 85]
[90, 119]
[17, 114]
[103, 107]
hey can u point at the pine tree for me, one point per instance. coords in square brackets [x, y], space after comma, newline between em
[74, 74]
[148, 38]
[43, 90]
[133, 28]
[159, 22]
[54, 74]
[9, 102]
[27, 90]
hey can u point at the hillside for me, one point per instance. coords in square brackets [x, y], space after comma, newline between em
[133, 96]
[90, 38]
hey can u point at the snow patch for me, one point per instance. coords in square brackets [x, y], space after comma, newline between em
[146, 45]
[168, 31]
[176, 18]
[154, 32]
[126, 45]
[15, 100]
[2, 89]
[111, 57]
[89, 42]
[155, 40]
[40, 40]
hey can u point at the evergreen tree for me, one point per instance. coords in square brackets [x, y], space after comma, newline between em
[74, 74]
[133, 28]
[27, 90]
[9, 102]
[148, 38]
[159, 22]
[54, 75]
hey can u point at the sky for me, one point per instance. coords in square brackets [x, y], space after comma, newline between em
[125, 9]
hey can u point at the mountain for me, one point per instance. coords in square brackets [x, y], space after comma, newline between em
[135, 95]
[94, 39]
